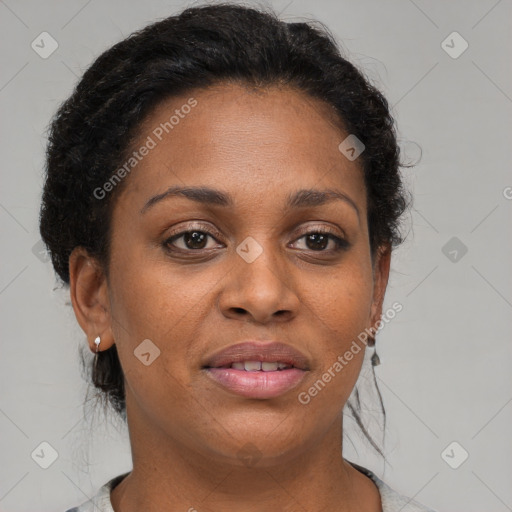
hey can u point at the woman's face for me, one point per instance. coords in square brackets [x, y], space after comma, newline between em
[250, 272]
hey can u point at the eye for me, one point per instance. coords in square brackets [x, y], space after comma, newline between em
[190, 240]
[318, 240]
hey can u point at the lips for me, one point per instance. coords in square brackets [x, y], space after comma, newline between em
[252, 352]
[257, 370]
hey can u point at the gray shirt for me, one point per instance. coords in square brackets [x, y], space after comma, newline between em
[391, 501]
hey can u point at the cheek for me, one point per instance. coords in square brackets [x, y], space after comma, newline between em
[329, 390]
[343, 303]
[153, 299]
[155, 312]
[341, 314]
[150, 297]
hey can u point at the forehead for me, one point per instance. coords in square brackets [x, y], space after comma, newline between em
[251, 141]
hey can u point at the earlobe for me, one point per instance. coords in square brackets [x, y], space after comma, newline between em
[89, 297]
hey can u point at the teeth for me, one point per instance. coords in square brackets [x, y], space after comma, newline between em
[254, 366]
[251, 366]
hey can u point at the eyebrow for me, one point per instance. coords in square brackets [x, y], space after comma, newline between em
[205, 195]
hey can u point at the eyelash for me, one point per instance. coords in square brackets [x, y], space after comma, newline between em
[341, 244]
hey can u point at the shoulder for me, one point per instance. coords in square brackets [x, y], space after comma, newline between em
[391, 500]
[394, 502]
[100, 502]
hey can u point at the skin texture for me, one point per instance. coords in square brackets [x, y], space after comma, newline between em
[186, 432]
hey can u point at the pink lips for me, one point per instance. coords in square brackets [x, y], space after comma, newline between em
[291, 368]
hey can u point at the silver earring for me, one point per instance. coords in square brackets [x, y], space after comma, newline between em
[97, 342]
[375, 357]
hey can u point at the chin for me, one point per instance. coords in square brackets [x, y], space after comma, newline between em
[258, 445]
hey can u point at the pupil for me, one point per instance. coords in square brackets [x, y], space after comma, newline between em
[195, 237]
[318, 239]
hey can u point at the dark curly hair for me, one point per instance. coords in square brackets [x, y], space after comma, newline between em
[93, 130]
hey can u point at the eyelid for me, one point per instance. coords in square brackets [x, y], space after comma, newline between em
[210, 230]
[196, 226]
[321, 228]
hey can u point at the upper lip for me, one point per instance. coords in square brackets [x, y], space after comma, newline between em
[258, 351]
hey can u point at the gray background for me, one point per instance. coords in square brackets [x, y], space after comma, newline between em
[446, 358]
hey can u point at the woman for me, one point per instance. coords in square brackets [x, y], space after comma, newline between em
[222, 197]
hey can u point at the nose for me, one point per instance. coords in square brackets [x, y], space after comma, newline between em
[261, 291]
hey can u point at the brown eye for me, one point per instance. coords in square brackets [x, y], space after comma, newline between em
[189, 240]
[195, 240]
[318, 241]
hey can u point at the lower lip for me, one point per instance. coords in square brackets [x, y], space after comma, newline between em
[257, 384]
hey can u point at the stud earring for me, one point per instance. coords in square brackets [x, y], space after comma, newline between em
[97, 342]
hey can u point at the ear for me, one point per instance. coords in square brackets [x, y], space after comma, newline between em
[89, 297]
[381, 267]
